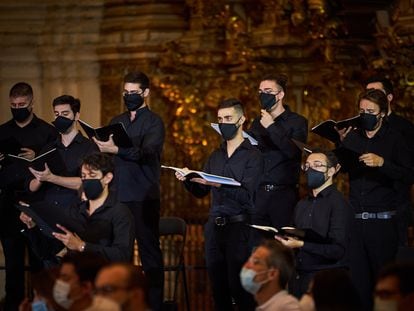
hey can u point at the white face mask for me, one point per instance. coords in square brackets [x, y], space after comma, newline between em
[61, 291]
[385, 305]
[247, 280]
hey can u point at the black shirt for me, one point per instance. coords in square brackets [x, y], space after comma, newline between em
[35, 136]
[404, 127]
[373, 189]
[137, 169]
[72, 157]
[109, 231]
[329, 215]
[246, 166]
[281, 156]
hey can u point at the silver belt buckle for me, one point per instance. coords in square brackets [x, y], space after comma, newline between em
[220, 221]
[365, 215]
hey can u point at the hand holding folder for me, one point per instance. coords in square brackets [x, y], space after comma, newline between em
[116, 131]
[329, 128]
[207, 177]
[307, 235]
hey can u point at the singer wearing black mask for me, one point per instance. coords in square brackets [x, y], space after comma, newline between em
[102, 224]
[326, 212]
[61, 188]
[277, 192]
[226, 233]
[377, 160]
[31, 134]
[137, 176]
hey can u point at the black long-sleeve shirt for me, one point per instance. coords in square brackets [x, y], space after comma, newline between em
[246, 166]
[281, 156]
[35, 136]
[404, 127]
[137, 169]
[329, 215]
[375, 189]
[109, 231]
[71, 156]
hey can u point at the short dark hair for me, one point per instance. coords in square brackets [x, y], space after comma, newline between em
[279, 79]
[99, 161]
[386, 83]
[86, 266]
[68, 100]
[232, 102]
[376, 96]
[21, 89]
[281, 258]
[330, 156]
[404, 272]
[139, 78]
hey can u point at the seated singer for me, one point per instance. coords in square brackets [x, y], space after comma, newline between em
[107, 226]
[326, 212]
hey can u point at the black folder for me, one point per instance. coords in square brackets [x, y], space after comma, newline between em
[327, 130]
[47, 215]
[120, 136]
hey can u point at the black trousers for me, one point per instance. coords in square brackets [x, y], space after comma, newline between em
[14, 245]
[147, 216]
[227, 249]
[374, 243]
[275, 208]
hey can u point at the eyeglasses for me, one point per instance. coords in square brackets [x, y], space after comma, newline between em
[108, 289]
[315, 164]
[132, 92]
[269, 91]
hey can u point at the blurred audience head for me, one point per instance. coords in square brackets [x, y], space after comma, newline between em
[125, 284]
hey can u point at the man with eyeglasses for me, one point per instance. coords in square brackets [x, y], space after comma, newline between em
[125, 284]
[226, 233]
[29, 134]
[326, 212]
[277, 192]
[376, 159]
[266, 274]
[137, 176]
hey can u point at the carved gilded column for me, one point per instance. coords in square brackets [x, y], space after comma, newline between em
[67, 53]
[132, 37]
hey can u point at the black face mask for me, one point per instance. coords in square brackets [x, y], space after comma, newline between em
[92, 188]
[368, 121]
[62, 124]
[267, 101]
[133, 101]
[314, 178]
[228, 130]
[20, 114]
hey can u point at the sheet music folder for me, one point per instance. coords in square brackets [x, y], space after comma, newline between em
[327, 130]
[46, 216]
[307, 235]
[120, 136]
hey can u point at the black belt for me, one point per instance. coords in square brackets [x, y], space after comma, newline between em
[274, 187]
[381, 215]
[224, 220]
